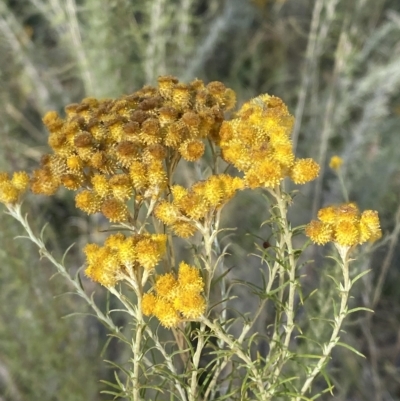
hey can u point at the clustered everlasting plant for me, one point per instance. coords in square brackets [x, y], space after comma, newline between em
[121, 157]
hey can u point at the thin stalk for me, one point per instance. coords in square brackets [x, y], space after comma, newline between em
[289, 308]
[338, 321]
[15, 211]
[136, 313]
[209, 234]
[237, 350]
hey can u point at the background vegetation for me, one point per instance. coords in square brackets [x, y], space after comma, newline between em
[336, 63]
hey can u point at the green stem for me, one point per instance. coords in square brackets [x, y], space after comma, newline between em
[338, 321]
[289, 308]
[15, 211]
[237, 350]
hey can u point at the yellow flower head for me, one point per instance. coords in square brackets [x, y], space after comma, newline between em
[304, 170]
[87, 201]
[267, 173]
[347, 233]
[167, 212]
[191, 304]
[101, 185]
[335, 163]
[184, 229]
[370, 226]
[8, 193]
[43, 182]
[319, 232]
[138, 175]
[72, 181]
[327, 215]
[127, 253]
[103, 266]
[126, 152]
[149, 302]
[347, 212]
[115, 210]
[150, 250]
[114, 241]
[192, 150]
[121, 187]
[166, 285]
[189, 278]
[166, 313]
[20, 180]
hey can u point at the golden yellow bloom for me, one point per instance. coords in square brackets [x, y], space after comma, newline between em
[327, 215]
[267, 173]
[347, 212]
[101, 186]
[175, 134]
[344, 226]
[194, 205]
[167, 212]
[127, 253]
[184, 229]
[335, 163]
[304, 170]
[369, 226]
[91, 252]
[114, 241]
[154, 152]
[166, 286]
[190, 304]
[156, 174]
[72, 181]
[126, 153]
[166, 84]
[43, 182]
[150, 250]
[179, 193]
[8, 193]
[283, 153]
[103, 266]
[189, 278]
[138, 174]
[87, 201]
[115, 210]
[167, 115]
[121, 187]
[174, 299]
[4, 177]
[192, 150]
[20, 180]
[347, 233]
[149, 302]
[52, 121]
[166, 313]
[74, 163]
[319, 232]
[150, 132]
[181, 96]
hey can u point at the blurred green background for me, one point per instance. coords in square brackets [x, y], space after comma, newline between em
[335, 63]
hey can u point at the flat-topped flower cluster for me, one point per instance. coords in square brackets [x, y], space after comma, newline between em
[344, 225]
[119, 155]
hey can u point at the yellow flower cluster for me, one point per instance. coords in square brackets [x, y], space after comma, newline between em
[335, 163]
[12, 188]
[176, 299]
[194, 203]
[120, 255]
[258, 143]
[344, 225]
[116, 149]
